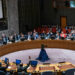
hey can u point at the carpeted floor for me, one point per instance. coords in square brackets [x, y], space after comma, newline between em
[55, 55]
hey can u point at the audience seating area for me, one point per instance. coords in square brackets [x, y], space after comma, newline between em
[40, 33]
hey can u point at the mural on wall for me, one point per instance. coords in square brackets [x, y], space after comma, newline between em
[3, 15]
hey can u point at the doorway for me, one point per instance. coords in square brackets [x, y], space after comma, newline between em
[63, 21]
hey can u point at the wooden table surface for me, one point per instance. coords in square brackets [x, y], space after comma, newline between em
[56, 68]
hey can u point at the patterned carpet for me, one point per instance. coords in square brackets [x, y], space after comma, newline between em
[55, 55]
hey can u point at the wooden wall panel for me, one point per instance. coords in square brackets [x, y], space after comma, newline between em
[9, 48]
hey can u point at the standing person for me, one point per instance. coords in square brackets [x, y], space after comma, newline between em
[57, 36]
[15, 37]
[29, 36]
[4, 39]
[43, 55]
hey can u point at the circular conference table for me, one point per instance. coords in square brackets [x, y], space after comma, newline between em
[24, 45]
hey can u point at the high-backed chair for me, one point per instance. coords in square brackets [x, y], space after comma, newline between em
[18, 61]
[69, 72]
[47, 73]
[6, 60]
[2, 73]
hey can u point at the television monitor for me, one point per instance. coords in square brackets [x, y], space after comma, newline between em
[18, 61]
[33, 63]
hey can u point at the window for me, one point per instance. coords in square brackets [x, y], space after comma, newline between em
[1, 11]
[63, 3]
[3, 15]
[72, 4]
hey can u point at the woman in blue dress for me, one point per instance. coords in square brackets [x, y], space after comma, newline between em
[43, 55]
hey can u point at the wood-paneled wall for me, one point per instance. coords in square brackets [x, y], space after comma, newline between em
[29, 14]
[9, 48]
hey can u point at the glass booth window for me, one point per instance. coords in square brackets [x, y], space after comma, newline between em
[72, 4]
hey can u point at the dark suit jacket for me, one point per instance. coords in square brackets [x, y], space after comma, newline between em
[21, 68]
[4, 68]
